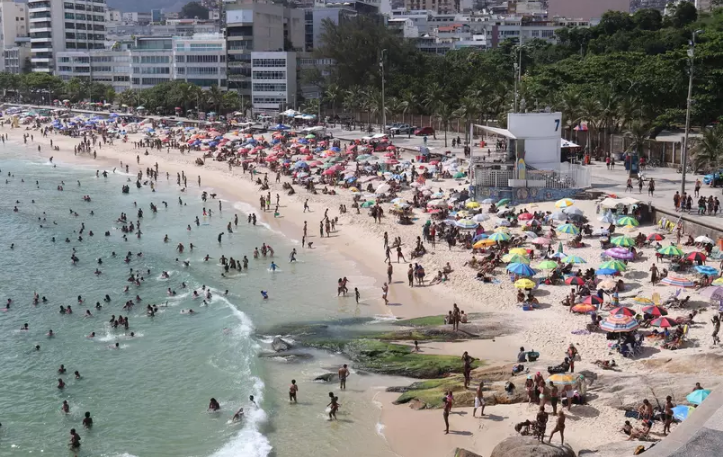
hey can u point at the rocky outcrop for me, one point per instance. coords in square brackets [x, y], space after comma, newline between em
[326, 377]
[279, 345]
[613, 449]
[464, 453]
[526, 446]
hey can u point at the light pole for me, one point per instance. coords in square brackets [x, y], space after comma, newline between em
[516, 74]
[685, 148]
[382, 72]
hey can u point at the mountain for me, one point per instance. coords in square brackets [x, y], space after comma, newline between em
[146, 5]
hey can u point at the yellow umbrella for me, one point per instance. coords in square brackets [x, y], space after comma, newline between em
[520, 251]
[564, 203]
[563, 379]
[483, 243]
[463, 213]
[643, 300]
[524, 284]
[718, 282]
[472, 205]
[353, 189]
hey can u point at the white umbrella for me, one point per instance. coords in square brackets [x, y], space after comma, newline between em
[530, 234]
[704, 239]
[480, 217]
[382, 188]
[600, 232]
[608, 218]
[503, 222]
[559, 216]
[487, 201]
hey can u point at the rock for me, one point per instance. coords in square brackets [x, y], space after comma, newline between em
[417, 405]
[463, 453]
[326, 377]
[287, 356]
[526, 446]
[279, 345]
[397, 389]
[612, 449]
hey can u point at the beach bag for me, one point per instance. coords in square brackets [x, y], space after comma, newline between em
[639, 450]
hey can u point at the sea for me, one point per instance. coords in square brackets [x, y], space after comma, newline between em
[149, 396]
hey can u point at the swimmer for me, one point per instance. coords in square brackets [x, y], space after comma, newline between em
[92, 335]
[65, 407]
[293, 255]
[61, 370]
[214, 405]
[25, 327]
[87, 420]
[273, 266]
[115, 346]
[61, 384]
[77, 375]
[238, 415]
[264, 295]
[50, 333]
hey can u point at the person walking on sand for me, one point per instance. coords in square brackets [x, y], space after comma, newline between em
[479, 400]
[389, 272]
[400, 254]
[306, 206]
[629, 185]
[343, 374]
[385, 289]
[293, 389]
[447, 407]
[652, 187]
[560, 426]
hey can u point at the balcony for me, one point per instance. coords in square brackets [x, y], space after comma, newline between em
[238, 78]
[38, 7]
[35, 20]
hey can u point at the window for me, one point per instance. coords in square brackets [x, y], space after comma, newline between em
[547, 33]
[269, 100]
[69, 25]
[154, 59]
[153, 81]
[121, 79]
[202, 59]
[135, 81]
[181, 70]
[269, 75]
[69, 16]
[269, 63]
[63, 68]
[265, 87]
[203, 82]
[180, 59]
[202, 70]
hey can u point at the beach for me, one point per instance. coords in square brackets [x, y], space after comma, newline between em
[357, 244]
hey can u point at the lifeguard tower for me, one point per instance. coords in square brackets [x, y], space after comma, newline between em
[539, 164]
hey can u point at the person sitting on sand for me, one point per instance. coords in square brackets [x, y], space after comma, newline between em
[627, 428]
[642, 432]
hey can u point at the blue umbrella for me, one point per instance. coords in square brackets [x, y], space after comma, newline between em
[335, 149]
[280, 127]
[480, 236]
[606, 271]
[300, 164]
[706, 270]
[213, 143]
[303, 141]
[520, 269]
[681, 412]
[113, 115]
[698, 396]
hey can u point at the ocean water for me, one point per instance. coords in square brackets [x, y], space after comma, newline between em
[150, 396]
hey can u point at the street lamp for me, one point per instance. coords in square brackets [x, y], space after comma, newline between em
[517, 66]
[685, 148]
[382, 73]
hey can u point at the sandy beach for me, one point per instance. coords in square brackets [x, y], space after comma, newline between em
[548, 330]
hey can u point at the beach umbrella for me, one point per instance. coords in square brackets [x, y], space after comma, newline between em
[563, 379]
[663, 322]
[516, 258]
[569, 229]
[717, 282]
[623, 241]
[607, 284]
[532, 223]
[677, 282]
[564, 203]
[520, 251]
[619, 253]
[591, 300]
[574, 281]
[643, 300]
[606, 271]
[459, 175]
[681, 412]
[619, 323]
[608, 218]
[656, 311]
[704, 239]
[530, 234]
[502, 202]
[483, 243]
[655, 237]
[671, 250]
[487, 201]
[499, 236]
[479, 236]
[613, 264]
[706, 270]
[559, 255]
[368, 203]
[503, 222]
[574, 212]
[463, 213]
[541, 241]
[524, 284]
[472, 205]
[547, 265]
[583, 308]
[525, 216]
[712, 292]
[623, 310]
[466, 224]
[627, 220]
[573, 259]
[520, 269]
[697, 257]
[480, 218]
[698, 396]
[601, 232]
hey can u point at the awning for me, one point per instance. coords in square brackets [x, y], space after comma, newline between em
[613, 202]
[496, 131]
[567, 144]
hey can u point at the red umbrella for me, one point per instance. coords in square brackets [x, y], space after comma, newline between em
[575, 281]
[525, 216]
[592, 300]
[624, 311]
[655, 237]
[697, 256]
[664, 322]
[656, 311]
[391, 148]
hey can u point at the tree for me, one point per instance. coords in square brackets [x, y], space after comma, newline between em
[194, 10]
[639, 133]
[445, 112]
[110, 94]
[569, 103]
[683, 14]
[707, 153]
[333, 94]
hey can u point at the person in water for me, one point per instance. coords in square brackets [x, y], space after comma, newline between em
[214, 405]
[74, 439]
[87, 420]
[264, 295]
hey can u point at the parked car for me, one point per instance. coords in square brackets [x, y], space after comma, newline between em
[402, 129]
[425, 131]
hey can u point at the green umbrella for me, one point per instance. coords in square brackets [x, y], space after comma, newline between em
[569, 229]
[614, 265]
[548, 265]
[627, 220]
[368, 203]
[310, 137]
[573, 259]
[623, 241]
[459, 175]
[671, 250]
[502, 202]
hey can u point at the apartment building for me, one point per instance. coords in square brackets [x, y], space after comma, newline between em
[314, 19]
[13, 24]
[258, 27]
[147, 61]
[437, 6]
[273, 81]
[177, 27]
[586, 10]
[14, 58]
[56, 26]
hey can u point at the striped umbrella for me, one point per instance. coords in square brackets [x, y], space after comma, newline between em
[467, 224]
[664, 322]
[563, 379]
[712, 292]
[569, 229]
[573, 259]
[706, 270]
[583, 308]
[516, 258]
[575, 281]
[681, 412]
[502, 202]
[623, 241]
[619, 323]
[656, 311]
[499, 236]
[623, 311]
[697, 257]
[677, 281]
[564, 203]
[501, 230]
[655, 237]
[592, 300]
[524, 284]
[627, 220]
[483, 243]
[614, 265]
[541, 241]
[671, 250]
[521, 251]
[548, 265]
[520, 269]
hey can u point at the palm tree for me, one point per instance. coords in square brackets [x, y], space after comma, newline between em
[609, 102]
[445, 113]
[590, 112]
[353, 100]
[182, 95]
[569, 104]
[410, 102]
[215, 97]
[333, 93]
[707, 153]
[434, 97]
[393, 105]
[628, 110]
[468, 110]
[639, 134]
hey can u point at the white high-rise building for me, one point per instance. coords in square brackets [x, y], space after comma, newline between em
[13, 24]
[57, 26]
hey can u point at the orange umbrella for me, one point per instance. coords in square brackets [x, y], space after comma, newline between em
[583, 308]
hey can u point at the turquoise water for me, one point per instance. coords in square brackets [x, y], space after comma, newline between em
[149, 397]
